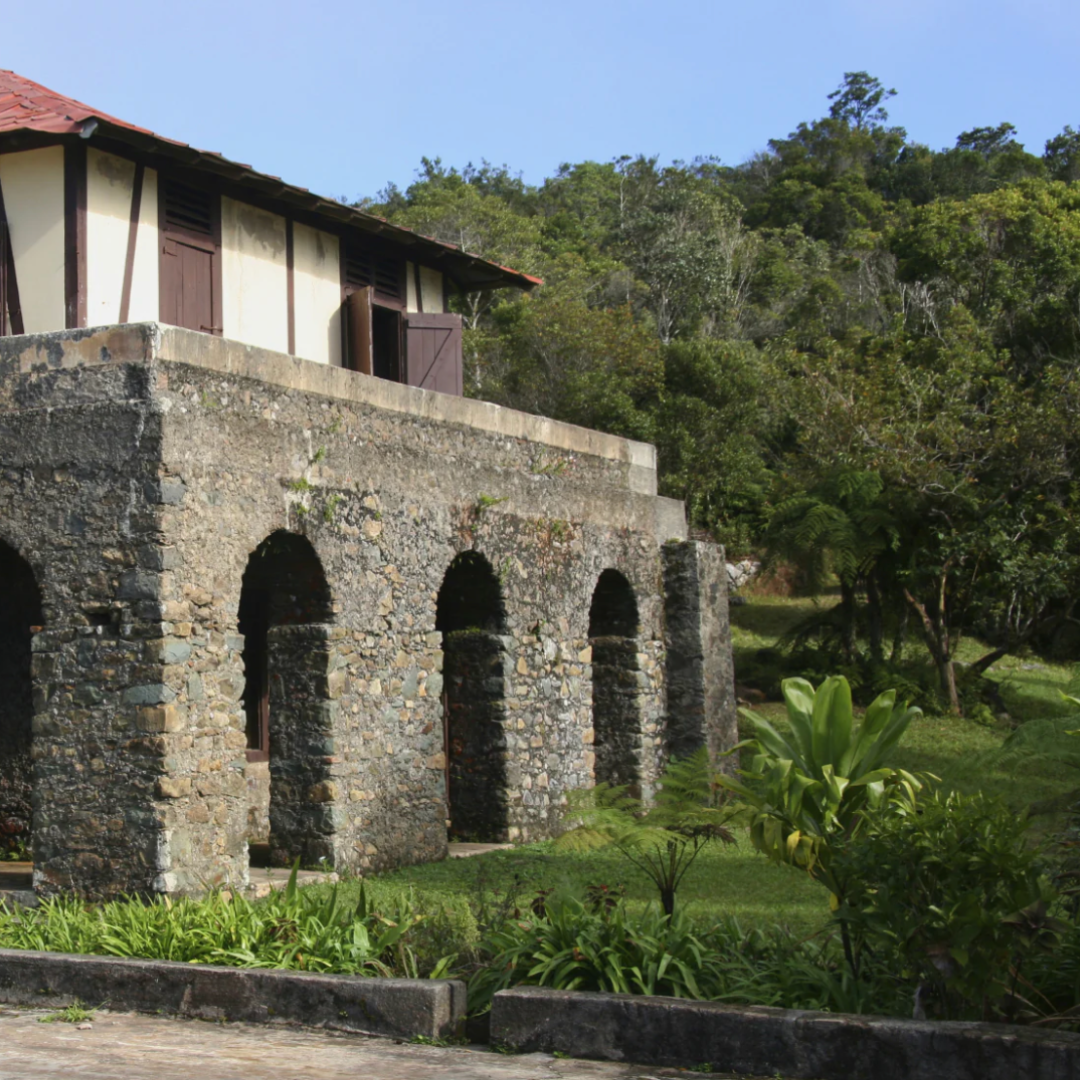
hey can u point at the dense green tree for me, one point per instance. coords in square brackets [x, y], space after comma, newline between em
[852, 347]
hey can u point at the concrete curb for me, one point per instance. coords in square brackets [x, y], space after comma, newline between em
[399, 1008]
[766, 1041]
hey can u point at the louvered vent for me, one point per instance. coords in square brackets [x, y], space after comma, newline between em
[363, 268]
[388, 277]
[188, 210]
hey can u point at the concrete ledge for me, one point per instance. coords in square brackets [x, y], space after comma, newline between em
[145, 342]
[399, 1008]
[766, 1042]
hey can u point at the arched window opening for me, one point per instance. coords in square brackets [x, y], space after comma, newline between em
[20, 618]
[471, 617]
[613, 630]
[285, 609]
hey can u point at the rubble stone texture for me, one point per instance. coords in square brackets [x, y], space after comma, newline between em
[156, 485]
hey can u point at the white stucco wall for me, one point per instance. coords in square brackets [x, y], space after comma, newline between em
[317, 295]
[33, 183]
[254, 282]
[431, 290]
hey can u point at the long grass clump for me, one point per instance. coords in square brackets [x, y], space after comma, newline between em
[292, 930]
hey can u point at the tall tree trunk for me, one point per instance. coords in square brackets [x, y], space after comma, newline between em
[847, 614]
[900, 635]
[935, 630]
[874, 618]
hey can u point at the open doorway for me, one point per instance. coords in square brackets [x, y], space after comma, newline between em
[613, 630]
[285, 611]
[471, 617]
[20, 618]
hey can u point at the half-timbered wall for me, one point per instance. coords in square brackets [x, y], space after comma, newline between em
[110, 192]
[33, 185]
[281, 282]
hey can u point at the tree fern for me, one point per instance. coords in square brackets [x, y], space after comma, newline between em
[662, 839]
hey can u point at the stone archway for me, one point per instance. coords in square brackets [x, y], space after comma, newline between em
[20, 617]
[613, 636]
[285, 616]
[471, 617]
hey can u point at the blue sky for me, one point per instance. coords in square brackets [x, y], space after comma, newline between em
[343, 98]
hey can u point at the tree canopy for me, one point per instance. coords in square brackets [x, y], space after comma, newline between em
[853, 352]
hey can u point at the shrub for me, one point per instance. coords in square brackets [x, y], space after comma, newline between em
[954, 895]
[575, 945]
[572, 945]
[807, 789]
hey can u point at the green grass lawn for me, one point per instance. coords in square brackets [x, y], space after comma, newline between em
[734, 880]
[726, 880]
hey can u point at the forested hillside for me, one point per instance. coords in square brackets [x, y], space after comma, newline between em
[854, 352]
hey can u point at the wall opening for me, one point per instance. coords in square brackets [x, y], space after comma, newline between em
[20, 619]
[471, 617]
[613, 631]
[285, 615]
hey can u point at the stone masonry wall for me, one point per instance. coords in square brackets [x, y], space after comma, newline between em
[80, 500]
[138, 485]
[701, 675]
[387, 502]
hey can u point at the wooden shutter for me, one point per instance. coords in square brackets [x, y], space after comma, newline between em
[358, 338]
[383, 272]
[433, 352]
[190, 286]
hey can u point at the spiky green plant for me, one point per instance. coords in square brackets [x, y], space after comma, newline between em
[662, 839]
[805, 791]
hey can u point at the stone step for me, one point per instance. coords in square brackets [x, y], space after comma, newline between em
[18, 898]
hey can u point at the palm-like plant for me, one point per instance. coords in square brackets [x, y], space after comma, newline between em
[806, 790]
[663, 839]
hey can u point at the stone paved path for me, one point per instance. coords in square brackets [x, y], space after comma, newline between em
[122, 1046]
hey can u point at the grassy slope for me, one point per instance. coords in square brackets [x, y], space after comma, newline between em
[735, 880]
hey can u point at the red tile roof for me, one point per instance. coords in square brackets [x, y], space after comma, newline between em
[27, 106]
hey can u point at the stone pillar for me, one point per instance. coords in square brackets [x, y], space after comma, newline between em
[304, 818]
[700, 672]
[101, 747]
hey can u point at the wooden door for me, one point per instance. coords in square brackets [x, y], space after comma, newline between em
[187, 286]
[190, 264]
[433, 352]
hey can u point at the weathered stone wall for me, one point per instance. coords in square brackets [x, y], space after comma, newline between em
[80, 500]
[155, 482]
[387, 501]
[700, 671]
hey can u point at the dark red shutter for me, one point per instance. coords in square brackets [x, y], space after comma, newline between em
[189, 250]
[358, 308]
[433, 352]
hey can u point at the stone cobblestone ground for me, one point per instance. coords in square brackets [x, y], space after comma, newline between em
[122, 1046]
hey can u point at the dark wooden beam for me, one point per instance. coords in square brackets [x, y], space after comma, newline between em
[133, 236]
[75, 234]
[290, 284]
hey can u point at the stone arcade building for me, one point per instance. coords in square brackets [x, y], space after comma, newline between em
[247, 596]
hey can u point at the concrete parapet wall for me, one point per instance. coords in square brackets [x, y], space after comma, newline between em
[399, 1008]
[775, 1042]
